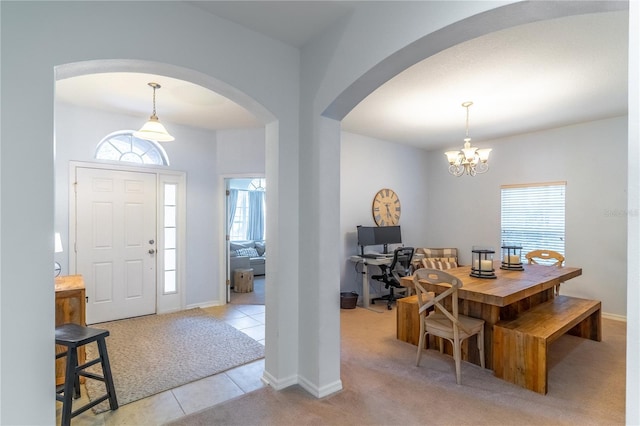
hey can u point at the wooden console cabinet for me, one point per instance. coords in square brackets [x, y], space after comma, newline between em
[70, 308]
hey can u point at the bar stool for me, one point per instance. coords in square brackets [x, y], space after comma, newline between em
[72, 336]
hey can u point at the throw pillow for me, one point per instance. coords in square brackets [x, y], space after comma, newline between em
[437, 263]
[260, 247]
[251, 252]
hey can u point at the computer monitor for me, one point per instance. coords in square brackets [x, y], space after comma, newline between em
[385, 235]
[378, 235]
[366, 235]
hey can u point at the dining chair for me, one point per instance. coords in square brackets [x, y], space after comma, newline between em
[546, 257]
[442, 322]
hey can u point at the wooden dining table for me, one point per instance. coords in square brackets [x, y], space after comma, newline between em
[501, 298]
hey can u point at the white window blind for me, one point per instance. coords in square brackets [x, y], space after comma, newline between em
[532, 216]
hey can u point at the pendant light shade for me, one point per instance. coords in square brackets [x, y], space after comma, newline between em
[153, 129]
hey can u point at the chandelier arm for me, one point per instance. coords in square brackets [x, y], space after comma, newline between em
[481, 167]
[456, 170]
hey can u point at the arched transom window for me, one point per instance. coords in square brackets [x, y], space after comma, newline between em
[123, 146]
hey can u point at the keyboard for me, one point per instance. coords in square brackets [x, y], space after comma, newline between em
[377, 255]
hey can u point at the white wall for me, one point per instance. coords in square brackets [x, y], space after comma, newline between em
[366, 166]
[303, 339]
[241, 151]
[32, 47]
[203, 155]
[465, 211]
[633, 272]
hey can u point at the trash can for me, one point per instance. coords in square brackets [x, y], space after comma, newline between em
[348, 300]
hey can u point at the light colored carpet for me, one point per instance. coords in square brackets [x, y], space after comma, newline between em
[383, 386]
[154, 353]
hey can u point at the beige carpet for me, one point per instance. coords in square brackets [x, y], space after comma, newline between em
[154, 353]
[382, 386]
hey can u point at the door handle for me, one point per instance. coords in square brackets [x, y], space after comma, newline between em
[151, 251]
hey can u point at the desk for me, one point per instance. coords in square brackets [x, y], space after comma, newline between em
[365, 261]
[501, 298]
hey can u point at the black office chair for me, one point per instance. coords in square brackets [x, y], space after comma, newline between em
[391, 274]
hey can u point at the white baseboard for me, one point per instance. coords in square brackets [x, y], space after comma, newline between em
[320, 392]
[207, 304]
[614, 317]
[279, 384]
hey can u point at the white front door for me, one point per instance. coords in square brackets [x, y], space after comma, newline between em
[116, 242]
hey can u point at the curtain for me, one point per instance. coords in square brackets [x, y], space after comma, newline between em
[255, 229]
[232, 202]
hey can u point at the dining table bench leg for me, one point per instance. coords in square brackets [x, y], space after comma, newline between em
[520, 345]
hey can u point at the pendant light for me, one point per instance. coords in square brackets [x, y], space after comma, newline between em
[469, 159]
[154, 130]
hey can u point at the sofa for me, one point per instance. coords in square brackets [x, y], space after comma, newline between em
[438, 258]
[247, 254]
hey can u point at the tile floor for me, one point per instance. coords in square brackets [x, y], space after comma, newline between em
[195, 396]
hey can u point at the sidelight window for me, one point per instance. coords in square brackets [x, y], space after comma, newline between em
[169, 249]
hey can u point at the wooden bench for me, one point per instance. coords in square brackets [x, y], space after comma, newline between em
[520, 346]
[408, 320]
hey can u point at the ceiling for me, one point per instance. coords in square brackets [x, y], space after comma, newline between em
[536, 76]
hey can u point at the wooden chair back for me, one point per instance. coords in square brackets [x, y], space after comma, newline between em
[442, 322]
[546, 255]
[428, 299]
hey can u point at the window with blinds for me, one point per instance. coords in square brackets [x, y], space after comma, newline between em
[532, 216]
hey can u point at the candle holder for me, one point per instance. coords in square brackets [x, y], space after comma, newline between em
[511, 258]
[482, 263]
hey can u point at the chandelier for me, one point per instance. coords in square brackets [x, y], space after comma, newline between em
[469, 159]
[153, 129]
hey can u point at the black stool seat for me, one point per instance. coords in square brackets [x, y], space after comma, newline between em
[72, 336]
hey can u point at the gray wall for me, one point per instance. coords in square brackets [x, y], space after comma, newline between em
[590, 157]
[440, 210]
[368, 165]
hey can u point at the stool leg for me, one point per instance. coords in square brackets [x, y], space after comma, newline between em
[69, 384]
[76, 382]
[106, 371]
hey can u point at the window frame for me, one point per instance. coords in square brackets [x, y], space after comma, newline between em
[136, 149]
[544, 221]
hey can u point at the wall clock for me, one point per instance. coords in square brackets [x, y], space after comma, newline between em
[386, 208]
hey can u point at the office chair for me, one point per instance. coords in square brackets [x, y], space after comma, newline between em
[400, 267]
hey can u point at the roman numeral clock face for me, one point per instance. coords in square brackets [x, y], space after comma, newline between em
[386, 208]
